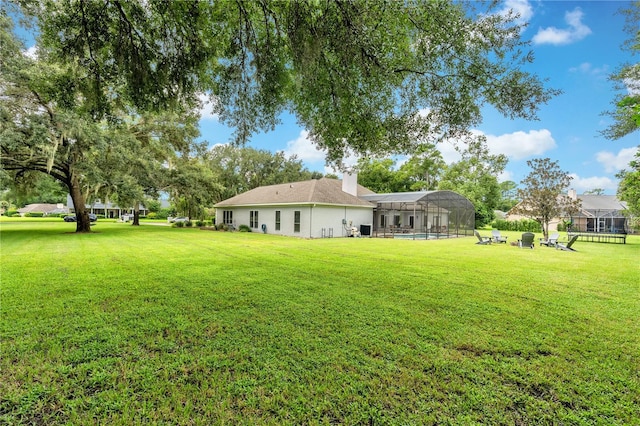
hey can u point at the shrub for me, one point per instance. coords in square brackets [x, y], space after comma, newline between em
[200, 223]
[244, 228]
[34, 214]
[221, 227]
[523, 225]
[11, 213]
[565, 225]
[164, 213]
[177, 225]
[152, 215]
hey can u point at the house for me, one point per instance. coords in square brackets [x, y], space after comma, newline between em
[332, 208]
[45, 209]
[310, 209]
[598, 213]
[107, 209]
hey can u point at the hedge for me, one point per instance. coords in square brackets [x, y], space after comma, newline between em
[523, 225]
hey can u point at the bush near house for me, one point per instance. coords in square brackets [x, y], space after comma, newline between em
[34, 214]
[523, 225]
[244, 228]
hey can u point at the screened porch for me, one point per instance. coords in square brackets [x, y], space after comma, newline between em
[422, 215]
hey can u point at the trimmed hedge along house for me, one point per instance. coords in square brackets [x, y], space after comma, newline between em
[327, 208]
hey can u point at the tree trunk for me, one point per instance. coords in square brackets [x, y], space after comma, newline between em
[136, 214]
[82, 216]
[545, 229]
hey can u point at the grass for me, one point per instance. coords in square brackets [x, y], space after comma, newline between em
[181, 326]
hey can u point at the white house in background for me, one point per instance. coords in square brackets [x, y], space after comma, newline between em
[45, 209]
[109, 210]
[309, 209]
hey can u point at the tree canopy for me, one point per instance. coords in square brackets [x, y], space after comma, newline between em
[542, 193]
[627, 113]
[476, 177]
[627, 78]
[240, 169]
[629, 189]
[371, 76]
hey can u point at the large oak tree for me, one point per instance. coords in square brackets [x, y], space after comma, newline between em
[368, 77]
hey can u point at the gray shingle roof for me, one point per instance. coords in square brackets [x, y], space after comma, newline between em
[601, 202]
[38, 208]
[321, 191]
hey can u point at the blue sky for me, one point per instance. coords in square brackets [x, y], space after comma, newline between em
[577, 45]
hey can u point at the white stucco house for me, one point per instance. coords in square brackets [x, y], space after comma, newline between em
[331, 208]
[108, 209]
[309, 209]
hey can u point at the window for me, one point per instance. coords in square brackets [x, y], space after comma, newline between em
[253, 219]
[383, 221]
[411, 222]
[277, 220]
[227, 217]
[296, 221]
[396, 220]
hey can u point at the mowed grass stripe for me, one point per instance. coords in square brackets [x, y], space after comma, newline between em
[186, 326]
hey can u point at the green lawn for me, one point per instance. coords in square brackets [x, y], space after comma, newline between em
[182, 326]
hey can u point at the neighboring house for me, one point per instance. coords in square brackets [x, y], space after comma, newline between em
[332, 208]
[108, 210]
[598, 213]
[45, 209]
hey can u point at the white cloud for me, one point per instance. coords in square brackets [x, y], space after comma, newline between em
[615, 162]
[31, 52]
[559, 36]
[587, 68]
[519, 145]
[348, 162]
[448, 151]
[520, 7]
[304, 148]
[581, 184]
[206, 112]
[505, 175]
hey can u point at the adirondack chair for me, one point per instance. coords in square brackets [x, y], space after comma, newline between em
[497, 238]
[526, 241]
[551, 241]
[567, 246]
[482, 240]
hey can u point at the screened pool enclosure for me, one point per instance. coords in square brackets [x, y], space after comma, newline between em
[422, 215]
